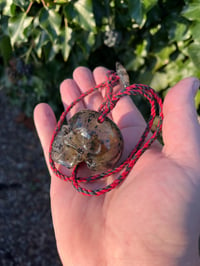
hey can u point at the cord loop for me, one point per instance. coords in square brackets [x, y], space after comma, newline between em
[109, 103]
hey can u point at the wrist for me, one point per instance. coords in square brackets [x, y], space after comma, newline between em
[173, 256]
[164, 254]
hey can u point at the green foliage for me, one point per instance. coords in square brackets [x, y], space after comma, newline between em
[42, 41]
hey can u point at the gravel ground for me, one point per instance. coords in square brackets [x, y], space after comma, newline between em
[26, 231]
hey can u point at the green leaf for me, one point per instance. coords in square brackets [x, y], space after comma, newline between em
[193, 51]
[134, 62]
[50, 50]
[60, 1]
[197, 99]
[9, 8]
[195, 29]
[22, 4]
[85, 16]
[135, 59]
[163, 56]
[40, 40]
[91, 39]
[17, 26]
[192, 11]
[141, 49]
[136, 11]
[159, 81]
[50, 21]
[83, 40]
[2, 5]
[148, 4]
[179, 69]
[178, 30]
[66, 46]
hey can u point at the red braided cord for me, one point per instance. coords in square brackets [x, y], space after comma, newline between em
[110, 102]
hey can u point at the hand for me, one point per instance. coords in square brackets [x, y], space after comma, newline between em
[153, 217]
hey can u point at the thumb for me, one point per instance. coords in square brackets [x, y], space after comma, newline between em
[181, 130]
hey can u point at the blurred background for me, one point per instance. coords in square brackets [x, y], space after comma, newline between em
[41, 42]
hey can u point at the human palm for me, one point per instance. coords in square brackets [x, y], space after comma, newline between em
[153, 217]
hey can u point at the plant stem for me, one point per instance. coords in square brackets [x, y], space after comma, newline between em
[29, 7]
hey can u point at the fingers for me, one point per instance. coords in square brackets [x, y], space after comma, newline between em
[125, 114]
[70, 91]
[85, 80]
[45, 123]
[181, 130]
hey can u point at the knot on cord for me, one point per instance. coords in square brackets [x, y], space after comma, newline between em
[109, 103]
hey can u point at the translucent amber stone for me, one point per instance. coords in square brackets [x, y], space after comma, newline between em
[84, 139]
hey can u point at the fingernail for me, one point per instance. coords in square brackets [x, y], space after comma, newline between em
[195, 86]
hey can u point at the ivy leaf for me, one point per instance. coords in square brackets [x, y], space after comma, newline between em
[136, 11]
[21, 3]
[195, 29]
[85, 41]
[50, 21]
[193, 51]
[179, 69]
[178, 29]
[163, 56]
[40, 40]
[60, 2]
[85, 16]
[148, 4]
[17, 26]
[192, 11]
[55, 47]
[66, 35]
[159, 81]
[197, 99]
[9, 8]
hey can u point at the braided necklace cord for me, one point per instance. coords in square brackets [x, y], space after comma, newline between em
[109, 103]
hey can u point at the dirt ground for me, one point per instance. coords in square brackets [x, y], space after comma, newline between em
[26, 231]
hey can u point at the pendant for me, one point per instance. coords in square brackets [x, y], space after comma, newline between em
[85, 139]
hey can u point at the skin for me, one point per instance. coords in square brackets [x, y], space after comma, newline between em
[153, 217]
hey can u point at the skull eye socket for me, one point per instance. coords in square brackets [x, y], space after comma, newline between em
[57, 147]
[79, 158]
[65, 129]
[90, 163]
[80, 150]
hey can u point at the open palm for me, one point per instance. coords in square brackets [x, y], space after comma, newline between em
[153, 217]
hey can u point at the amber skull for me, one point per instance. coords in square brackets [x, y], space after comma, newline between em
[84, 139]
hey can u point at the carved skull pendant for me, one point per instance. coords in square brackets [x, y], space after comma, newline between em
[84, 139]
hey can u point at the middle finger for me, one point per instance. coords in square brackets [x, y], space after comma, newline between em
[85, 80]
